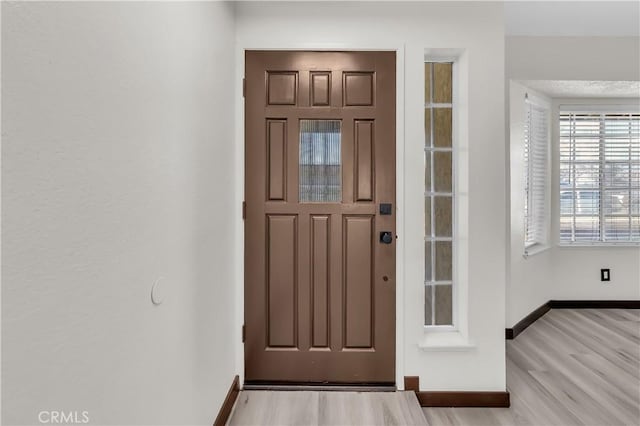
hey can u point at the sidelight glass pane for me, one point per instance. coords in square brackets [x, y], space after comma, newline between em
[428, 305]
[444, 261]
[428, 274]
[427, 216]
[427, 171]
[427, 81]
[442, 82]
[427, 127]
[443, 304]
[442, 121]
[443, 216]
[442, 171]
[320, 161]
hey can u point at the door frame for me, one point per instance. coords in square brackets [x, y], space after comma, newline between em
[236, 210]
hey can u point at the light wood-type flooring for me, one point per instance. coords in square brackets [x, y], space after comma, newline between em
[299, 408]
[571, 367]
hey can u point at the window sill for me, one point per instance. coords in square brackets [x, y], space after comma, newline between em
[534, 249]
[445, 341]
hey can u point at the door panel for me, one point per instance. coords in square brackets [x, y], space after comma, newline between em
[320, 88]
[282, 280]
[364, 160]
[358, 88]
[282, 88]
[276, 147]
[358, 261]
[319, 159]
[320, 276]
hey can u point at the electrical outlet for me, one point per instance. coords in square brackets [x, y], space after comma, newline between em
[605, 274]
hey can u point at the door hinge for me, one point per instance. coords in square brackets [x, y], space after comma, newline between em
[244, 87]
[244, 210]
[244, 333]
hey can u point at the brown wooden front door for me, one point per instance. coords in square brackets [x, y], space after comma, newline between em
[320, 193]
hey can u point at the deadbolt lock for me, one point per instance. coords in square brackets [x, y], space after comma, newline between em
[386, 209]
[386, 237]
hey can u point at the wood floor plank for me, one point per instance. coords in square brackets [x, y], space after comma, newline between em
[411, 407]
[575, 400]
[571, 367]
[305, 408]
[621, 398]
[541, 407]
[600, 341]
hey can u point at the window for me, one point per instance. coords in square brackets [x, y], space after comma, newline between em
[536, 158]
[599, 177]
[320, 166]
[439, 195]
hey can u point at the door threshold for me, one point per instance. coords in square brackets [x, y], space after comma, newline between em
[324, 387]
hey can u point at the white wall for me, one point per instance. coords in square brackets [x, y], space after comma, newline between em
[529, 278]
[572, 18]
[477, 29]
[573, 58]
[568, 273]
[116, 167]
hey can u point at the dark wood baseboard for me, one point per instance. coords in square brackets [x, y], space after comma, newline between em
[412, 383]
[227, 405]
[594, 304]
[511, 333]
[455, 399]
[463, 399]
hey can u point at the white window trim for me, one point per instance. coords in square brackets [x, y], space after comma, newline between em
[608, 106]
[534, 249]
[445, 341]
[455, 337]
[452, 105]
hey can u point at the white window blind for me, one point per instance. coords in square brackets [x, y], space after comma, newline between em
[536, 149]
[599, 177]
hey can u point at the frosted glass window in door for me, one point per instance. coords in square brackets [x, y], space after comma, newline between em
[320, 178]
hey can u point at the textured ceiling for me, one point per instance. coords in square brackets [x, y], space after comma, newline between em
[585, 89]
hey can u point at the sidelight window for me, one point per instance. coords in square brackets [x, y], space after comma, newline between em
[439, 194]
[320, 161]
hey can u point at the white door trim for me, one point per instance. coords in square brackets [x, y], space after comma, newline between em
[238, 319]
